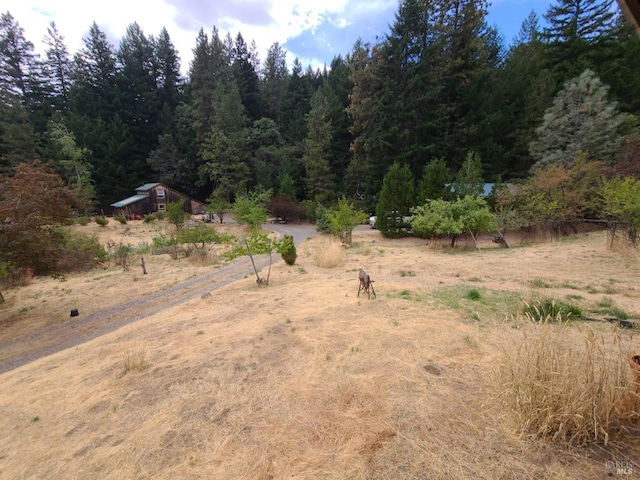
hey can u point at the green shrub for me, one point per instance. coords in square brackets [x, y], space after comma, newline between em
[121, 253]
[82, 220]
[473, 294]
[120, 218]
[13, 276]
[148, 218]
[164, 244]
[160, 215]
[548, 308]
[102, 221]
[311, 207]
[323, 223]
[287, 249]
[142, 248]
[163, 241]
[79, 251]
[200, 239]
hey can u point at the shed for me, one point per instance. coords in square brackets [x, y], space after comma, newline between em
[154, 197]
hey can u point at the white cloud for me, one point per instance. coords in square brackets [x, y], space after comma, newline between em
[74, 18]
[266, 23]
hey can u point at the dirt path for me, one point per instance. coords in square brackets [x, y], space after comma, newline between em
[61, 337]
[83, 329]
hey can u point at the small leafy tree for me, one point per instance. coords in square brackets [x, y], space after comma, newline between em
[621, 207]
[468, 179]
[469, 214]
[259, 242]
[250, 209]
[74, 165]
[343, 219]
[121, 253]
[176, 214]
[396, 200]
[560, 196]
[508, 217]
[33, 203]
[200, 239]
[218, 203]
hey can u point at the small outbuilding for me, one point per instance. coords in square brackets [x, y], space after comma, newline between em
[154, 197]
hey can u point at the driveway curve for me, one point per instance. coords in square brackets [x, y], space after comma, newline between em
[60, 337]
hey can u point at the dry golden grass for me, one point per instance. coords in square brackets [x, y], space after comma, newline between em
[303, 379]
[327, 255]
[569, 382]
[134, 358]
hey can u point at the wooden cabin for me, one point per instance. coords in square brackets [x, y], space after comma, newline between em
[154, 197]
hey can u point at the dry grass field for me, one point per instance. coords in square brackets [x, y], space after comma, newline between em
[303, 379]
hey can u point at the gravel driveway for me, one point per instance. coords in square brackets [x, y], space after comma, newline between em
[83, 329]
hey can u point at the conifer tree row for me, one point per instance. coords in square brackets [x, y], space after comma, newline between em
[440, 83]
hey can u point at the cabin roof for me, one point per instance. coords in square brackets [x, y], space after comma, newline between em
[146, 187]
[130, 200]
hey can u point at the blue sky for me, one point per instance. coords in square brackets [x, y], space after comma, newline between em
[329, 38]
[312, 31]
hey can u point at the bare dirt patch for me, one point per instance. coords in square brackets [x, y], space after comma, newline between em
[303, 379]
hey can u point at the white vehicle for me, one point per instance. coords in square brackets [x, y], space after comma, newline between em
[407, 219]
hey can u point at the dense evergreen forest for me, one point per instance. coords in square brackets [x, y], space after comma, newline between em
[440, 87]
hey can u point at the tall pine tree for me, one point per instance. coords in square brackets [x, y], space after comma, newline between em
[21, 96]
[274, 82]
[57, 66]
[319, 179]
[578, 31]
[581, 121]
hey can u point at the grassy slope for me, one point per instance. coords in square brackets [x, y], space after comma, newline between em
[302, 379]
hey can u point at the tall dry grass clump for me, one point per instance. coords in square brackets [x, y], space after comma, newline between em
[203, 258]
[134, 358]
[328, 255]
[568, 384]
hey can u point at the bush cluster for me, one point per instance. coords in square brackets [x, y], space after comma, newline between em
[287, 249]
[79, 251]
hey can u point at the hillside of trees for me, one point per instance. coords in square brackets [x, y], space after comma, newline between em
[440, 86]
